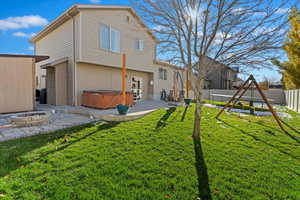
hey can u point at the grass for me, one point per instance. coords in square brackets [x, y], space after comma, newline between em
[237, 106]
[155, 158]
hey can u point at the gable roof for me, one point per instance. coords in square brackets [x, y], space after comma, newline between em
[75, 9]
[166, 64]
[222, 64]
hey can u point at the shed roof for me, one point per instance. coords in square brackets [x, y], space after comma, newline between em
[38, 58]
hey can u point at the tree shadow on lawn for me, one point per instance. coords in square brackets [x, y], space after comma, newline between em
[200, 165]
[26, 145]
[260, 140]
[162, 121]
[292, 128]
[15, 149]
[279, 130]
[184, 113]
[203, 181]
[104, 126]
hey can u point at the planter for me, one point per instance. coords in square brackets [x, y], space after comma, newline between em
[122, 109]
[187, 101]
[30, 119]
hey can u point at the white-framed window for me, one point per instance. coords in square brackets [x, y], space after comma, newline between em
[139, 45]
[162, 74]
[109, 39]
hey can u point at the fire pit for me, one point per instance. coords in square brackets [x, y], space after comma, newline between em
[30, 119]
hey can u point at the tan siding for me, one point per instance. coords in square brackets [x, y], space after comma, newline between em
[95, 77]
[61, 84]
[59, 44]
[159, 84]
[16, 89]
[130, 32]
[51, 86]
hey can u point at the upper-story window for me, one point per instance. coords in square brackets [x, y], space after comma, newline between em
[139, 45]
[162, 74]
[109, 39]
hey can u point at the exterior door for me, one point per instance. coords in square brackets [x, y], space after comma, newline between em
[50, 84]
[137, 88]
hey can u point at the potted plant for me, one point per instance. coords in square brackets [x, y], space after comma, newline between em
[122, 109]
[187, 101]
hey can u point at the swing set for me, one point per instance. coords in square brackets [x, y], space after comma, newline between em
[250, 83]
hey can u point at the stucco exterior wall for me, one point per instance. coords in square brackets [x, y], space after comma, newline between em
[97, 77]
[16, 84]
[130, 31]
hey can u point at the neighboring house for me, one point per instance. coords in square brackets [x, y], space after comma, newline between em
[85, 45]
[220, 76]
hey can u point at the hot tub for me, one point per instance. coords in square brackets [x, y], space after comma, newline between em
[105, 99]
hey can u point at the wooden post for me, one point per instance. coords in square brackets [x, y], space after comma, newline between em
[242, 94]
[234, 96]
[187, 83]
[124, 79]
[261, 94]
[268, 104]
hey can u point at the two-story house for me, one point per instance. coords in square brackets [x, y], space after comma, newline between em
[85, 45]
[219, 75]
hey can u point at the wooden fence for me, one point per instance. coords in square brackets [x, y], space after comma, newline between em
[293, 99]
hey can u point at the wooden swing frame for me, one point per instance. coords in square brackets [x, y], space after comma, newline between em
[243, 89]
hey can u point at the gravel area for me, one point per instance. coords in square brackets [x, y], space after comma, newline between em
[67, 116]
[57, 121]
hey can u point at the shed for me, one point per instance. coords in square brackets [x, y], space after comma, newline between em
[17, 82]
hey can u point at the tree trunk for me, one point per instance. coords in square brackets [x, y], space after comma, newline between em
[198, 85]
[198, 113]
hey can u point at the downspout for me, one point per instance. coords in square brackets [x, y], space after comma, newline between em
[74, 71]
[75, 64]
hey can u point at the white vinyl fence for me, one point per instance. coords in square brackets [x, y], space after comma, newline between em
[293, 99]
[277, 96]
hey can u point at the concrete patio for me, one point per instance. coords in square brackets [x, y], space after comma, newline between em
[140, 108]
[67, 116]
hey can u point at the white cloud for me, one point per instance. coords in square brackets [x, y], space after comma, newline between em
[95, 1]
[221, 36]
[30, 48]
[24, 35]
[13, 23]
[281, 11]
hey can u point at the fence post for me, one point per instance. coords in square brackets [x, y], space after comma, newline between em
[295, 100]
[291, 99]
[298, 103]
[293, 92]
[286, 97]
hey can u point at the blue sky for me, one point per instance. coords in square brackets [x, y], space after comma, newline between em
[19, 20]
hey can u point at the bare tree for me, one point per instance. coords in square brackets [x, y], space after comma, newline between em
[242, 33]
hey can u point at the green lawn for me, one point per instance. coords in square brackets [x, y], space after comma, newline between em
[155, 158]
